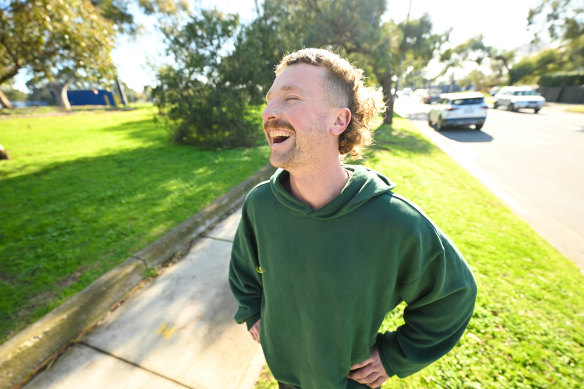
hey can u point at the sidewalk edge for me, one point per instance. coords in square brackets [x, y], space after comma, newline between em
[22, 355]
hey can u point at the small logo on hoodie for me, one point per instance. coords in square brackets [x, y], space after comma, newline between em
[260, 269]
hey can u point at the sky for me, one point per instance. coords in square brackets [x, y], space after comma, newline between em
[503, 24]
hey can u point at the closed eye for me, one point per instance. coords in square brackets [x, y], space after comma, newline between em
[289, 98]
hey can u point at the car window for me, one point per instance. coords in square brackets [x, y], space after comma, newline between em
[525, 93]
[472, 101]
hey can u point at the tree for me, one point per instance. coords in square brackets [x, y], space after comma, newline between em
[417, 45]
[478, 79]
[194, 98]
[354, 28]
[61, 41]
[562, 19]
[40, 93]
[529, 69]
[55, 37]
[14, 94]
[474, 50]
[382, 48]
[563, 22]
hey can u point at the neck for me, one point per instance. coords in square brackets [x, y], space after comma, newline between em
[319, 187]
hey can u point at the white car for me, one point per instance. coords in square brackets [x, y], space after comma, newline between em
[458, 109]
[516, 98]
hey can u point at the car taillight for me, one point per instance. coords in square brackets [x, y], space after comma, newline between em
[484, 107]
[451, 109]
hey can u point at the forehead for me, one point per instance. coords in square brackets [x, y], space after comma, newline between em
[302, 77]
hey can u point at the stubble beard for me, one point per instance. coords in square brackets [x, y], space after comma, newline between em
[286, 159]
[301, 157]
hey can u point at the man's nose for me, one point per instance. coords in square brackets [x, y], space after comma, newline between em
[271, 112]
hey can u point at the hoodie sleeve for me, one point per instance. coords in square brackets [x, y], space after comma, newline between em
[440, 297]
[244, 278]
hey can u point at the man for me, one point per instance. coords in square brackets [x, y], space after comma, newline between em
[324, 250]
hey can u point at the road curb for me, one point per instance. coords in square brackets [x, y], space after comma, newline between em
[22, 355]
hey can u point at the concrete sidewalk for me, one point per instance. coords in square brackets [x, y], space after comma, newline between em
[177, 332]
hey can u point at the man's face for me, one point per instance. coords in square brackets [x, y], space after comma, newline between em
[298, 117]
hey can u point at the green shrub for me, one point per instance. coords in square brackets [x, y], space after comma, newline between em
[562, 79]
[195, 100]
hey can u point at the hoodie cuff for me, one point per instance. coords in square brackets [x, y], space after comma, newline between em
[252, 320]
[382, 354]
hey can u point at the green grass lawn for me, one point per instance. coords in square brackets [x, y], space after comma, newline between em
[85, 191]
[528, 327]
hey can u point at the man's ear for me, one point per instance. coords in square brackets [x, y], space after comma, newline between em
[342, 120]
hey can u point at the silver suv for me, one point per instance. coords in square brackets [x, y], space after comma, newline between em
[517, 97]
[458, 109]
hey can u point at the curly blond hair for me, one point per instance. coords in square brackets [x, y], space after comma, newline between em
[345, 88]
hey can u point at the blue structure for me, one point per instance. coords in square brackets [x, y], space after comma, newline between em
[90, 97]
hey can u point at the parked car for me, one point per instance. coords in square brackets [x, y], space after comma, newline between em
[458, 109]
[516, 98]
[432, 96]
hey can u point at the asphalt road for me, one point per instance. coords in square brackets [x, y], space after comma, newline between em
[533, 162]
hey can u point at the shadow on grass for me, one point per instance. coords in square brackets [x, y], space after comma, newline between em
[66, 224]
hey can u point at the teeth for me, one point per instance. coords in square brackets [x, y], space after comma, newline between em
[275, 134]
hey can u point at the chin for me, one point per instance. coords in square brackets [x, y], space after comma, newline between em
[277, 163]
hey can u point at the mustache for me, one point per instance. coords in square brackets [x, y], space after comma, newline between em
[277, 123]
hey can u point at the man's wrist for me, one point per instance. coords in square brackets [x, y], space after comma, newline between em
[380, 349]
[252, 320]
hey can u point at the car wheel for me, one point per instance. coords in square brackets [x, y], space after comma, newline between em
[535, 110]
[478, 126]
[495, 105]
[439, 125]
[511, 108]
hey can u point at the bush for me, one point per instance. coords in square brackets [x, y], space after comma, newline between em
[562, 79]
[195, 100]
[210, 117]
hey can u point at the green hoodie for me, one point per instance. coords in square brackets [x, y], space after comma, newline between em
[323, 280]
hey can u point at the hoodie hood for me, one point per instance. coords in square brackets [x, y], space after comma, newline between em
[363, 185]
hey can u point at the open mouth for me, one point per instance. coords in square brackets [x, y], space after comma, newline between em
[279, 136]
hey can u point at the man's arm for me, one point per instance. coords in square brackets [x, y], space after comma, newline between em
[440, 302]
[244, 280]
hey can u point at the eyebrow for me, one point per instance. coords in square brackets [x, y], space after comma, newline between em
[284, 88]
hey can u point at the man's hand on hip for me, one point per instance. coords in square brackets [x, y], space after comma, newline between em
[254, 331]
[369, 372]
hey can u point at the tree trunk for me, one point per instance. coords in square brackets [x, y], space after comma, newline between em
[122, 92]
[60, 94]
[4, 101]
[386, 85]
[3, 153]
